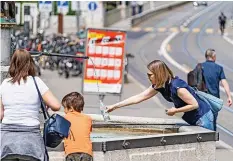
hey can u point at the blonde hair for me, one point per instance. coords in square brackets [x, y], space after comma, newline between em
[160, 71]
[210, 53]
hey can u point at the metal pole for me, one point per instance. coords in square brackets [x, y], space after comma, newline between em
[78, 12]
[60, 23]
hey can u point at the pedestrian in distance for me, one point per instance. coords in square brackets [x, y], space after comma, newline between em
[173, 89]
[78, 146]
[140, 6]
[21, 138]
[133, 7]
[222, 22]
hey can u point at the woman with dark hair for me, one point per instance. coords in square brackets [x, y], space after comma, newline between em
[20, 105]
[173, 89]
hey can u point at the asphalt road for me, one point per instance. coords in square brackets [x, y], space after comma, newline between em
[146, 45]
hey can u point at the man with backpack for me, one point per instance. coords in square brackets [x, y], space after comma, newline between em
[207, 76]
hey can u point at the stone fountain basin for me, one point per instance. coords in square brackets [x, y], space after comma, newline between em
[149, 139]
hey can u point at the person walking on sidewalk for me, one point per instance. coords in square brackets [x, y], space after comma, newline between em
[78, 146]
[21, 138]
[173, 89]
[214, 74]
[140, 6]
[133, 7]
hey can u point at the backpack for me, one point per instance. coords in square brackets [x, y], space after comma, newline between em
[195, 78]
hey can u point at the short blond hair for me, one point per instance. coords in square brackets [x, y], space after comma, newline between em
[210, 53]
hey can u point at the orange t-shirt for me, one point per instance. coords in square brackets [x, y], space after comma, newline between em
[78, 140]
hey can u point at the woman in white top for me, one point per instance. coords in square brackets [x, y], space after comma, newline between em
[20, 105]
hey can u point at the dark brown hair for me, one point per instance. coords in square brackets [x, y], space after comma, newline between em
[160, 71]
[73, 100]
[21, 66]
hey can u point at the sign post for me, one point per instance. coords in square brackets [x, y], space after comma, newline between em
[92, 6]
[63, 9]
[103, 72]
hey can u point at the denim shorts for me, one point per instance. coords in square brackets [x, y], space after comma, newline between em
[206, 121]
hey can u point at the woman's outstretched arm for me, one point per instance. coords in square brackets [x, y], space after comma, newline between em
[148, 93]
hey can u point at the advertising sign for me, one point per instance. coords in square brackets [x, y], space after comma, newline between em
[103, 72]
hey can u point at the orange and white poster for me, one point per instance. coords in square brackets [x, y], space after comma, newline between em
[103, 71]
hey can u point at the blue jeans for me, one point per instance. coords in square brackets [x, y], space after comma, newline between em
[207, 121]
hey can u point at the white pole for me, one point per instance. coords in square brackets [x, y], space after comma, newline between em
[123, 9]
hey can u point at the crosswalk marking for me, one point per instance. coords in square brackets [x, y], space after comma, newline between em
[149, 29]
[196, 30]
[209, 30]
[136, 29]
[162, 29]
[175, 29]
[184, 29]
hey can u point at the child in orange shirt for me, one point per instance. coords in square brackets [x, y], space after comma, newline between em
[78, 146]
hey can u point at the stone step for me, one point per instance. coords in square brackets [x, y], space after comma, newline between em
[56, 156]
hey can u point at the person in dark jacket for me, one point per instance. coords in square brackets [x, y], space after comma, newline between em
[222, 22]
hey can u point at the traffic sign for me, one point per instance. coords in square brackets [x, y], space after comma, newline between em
[62, 3]
[45, 6]
[63, 6]
[45, 2]
[92, 6]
